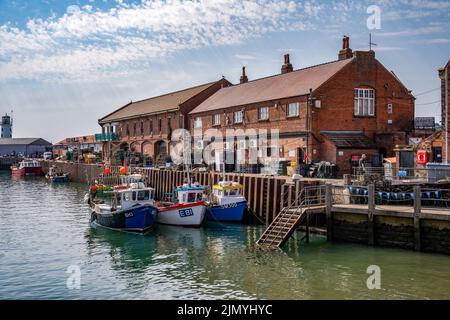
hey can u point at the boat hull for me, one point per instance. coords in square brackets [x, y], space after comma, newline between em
[186, 215]
[232, 212]
[137, 219]
[36, 171]
[59, 179]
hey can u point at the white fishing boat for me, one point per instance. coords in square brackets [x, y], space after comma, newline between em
[186, 209]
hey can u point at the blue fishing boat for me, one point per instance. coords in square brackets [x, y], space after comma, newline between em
[227, 204]
[130, 208]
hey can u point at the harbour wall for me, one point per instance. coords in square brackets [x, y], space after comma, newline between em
[431, 233]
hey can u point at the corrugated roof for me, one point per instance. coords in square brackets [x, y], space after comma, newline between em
[280, 86]
[23, 141]
[155, 104]
[349, 139]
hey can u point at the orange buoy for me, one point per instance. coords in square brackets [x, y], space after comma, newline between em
[123, 170]
[107, 170]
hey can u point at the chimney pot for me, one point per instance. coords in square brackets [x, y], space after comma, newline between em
[244, 77]
[346, 52]
[287, 66]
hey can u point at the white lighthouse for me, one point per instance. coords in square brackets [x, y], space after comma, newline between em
[6, 127]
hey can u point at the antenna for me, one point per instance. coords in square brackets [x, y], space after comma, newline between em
[370, 42]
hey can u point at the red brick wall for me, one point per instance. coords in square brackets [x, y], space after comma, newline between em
[337, 102]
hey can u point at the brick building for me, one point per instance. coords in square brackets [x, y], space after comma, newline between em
[441, 145]
[146, 126]
[83, 143]
[335, 111]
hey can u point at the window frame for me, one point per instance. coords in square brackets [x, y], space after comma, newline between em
[198, 122]
[288, 109]
[241, 117]
[364, 102]
[260, 118]
[216, 119]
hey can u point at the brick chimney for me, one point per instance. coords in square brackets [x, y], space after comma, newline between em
[346, 52]
[244, 77]
[287, 66]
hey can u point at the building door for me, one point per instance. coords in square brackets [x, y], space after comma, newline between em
[300, 155]
[436, 154]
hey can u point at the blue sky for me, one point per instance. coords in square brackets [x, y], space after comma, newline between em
[64, 64]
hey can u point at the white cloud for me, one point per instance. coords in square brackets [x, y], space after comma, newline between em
[84, 40]
[413, 32]
[245, 57]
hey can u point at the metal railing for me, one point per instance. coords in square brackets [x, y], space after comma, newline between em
[432, 198]
[109, 136]
[404, 174]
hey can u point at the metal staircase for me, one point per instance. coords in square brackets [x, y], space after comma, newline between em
[308, 200]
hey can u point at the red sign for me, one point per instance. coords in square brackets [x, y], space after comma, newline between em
[422, 157]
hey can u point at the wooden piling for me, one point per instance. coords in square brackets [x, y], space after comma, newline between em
[370, 216]
[417, 214]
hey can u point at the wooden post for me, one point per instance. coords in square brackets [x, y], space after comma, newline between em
[307, 226]
[275, 199]
[268, 200]
[417, 211]
[329, 213]
[370, 215]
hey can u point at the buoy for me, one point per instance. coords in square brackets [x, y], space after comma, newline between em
[107, 170]
[123, 171]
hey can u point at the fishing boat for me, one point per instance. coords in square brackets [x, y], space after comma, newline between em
[226, 204]
[54, 175]
[130, 208]
[186, 209]
[27, 167]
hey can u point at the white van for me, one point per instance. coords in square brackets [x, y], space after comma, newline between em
[47, 156]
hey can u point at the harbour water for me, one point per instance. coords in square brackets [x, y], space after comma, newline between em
[44, 231]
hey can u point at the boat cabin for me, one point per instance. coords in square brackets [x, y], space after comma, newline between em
[227, 192]
[189, 194]
[130, 197]
[29, 164]
[123, 199]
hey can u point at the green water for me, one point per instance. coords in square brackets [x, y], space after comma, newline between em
[44, 229]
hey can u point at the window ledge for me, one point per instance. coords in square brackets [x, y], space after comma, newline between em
[291, 117]
[357, 116]
[263, 120]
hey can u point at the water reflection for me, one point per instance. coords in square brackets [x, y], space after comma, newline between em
[45, 228]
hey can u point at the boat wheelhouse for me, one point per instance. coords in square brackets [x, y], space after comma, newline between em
[129, 209]
[227, 203]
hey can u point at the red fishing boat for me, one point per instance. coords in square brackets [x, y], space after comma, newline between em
[27, 168]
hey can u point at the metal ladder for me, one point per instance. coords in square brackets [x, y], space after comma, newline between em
[290, 217]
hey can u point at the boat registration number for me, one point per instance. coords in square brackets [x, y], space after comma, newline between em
[186, 212]
[229, 205]
[129, 214]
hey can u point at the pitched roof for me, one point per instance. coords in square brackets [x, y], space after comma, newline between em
[160, 103]
[24, 141]
[90, 139]
[291, 84]
[349, 139]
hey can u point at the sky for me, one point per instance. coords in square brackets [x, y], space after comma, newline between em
[65, 64]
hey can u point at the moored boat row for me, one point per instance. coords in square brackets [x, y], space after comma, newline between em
[130, 206]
